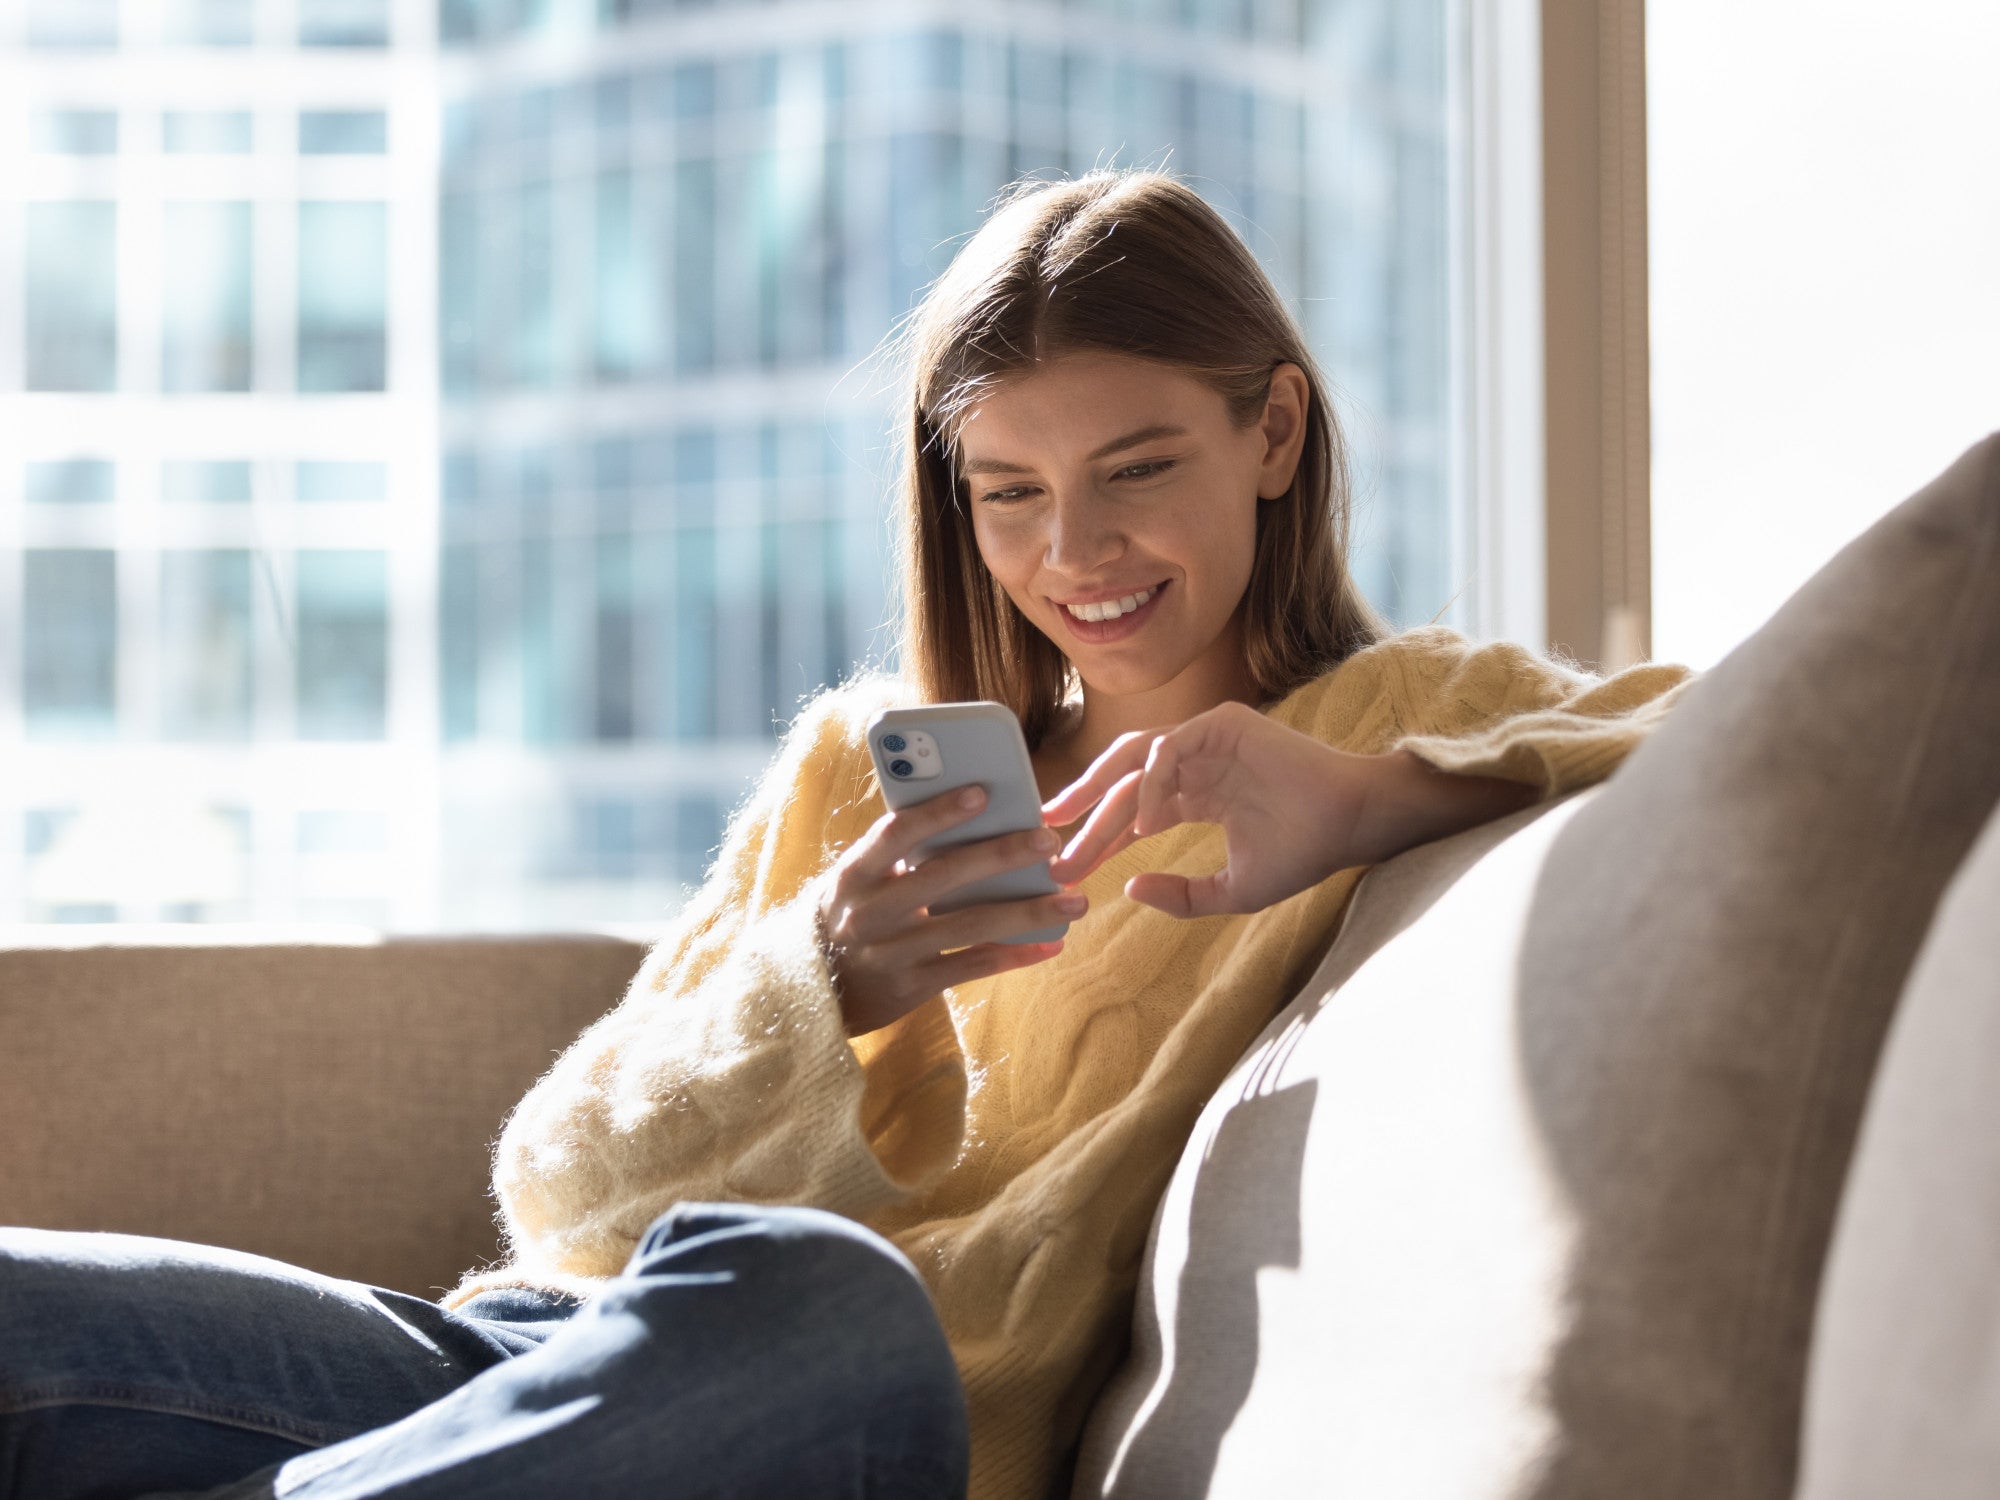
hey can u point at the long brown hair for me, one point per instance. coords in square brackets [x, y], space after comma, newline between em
[1123, 261]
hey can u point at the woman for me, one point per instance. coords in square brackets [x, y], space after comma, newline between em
[1124, 517]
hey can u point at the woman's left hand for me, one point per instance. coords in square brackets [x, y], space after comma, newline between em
[1289, 807]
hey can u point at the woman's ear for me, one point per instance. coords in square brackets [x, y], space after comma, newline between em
[1284, 429]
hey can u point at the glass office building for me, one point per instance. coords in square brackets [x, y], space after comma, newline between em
[217, 461]
[457, 441]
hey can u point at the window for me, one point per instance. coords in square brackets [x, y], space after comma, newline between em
[72, 302]
[668, 240]
[341, 481]
[205, 336]
[343, 645]
[343, 831]
[343, 23]
[205, 481]
[72, 24]
[343, 132]
[694, 264]
[74, 132]
[630, 256]
[205, 645]
[343, 296]
[70, 615]
[206, 132]
[70, 481]
[210, 23]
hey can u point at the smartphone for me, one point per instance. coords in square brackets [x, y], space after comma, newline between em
[921, 753]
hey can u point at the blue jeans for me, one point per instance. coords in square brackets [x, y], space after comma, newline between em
[743, 1351]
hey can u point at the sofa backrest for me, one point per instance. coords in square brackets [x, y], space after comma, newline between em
[329, 1104]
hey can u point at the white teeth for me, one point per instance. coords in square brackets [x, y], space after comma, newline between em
[1110, 609]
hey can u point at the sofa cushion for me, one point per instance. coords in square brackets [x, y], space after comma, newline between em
[1903, 1393]
[1568, 1163]
[325, 1102]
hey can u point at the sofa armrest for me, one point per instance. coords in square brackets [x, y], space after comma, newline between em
[326, 1101]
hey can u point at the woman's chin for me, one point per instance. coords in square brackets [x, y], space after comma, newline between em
[1121, 679]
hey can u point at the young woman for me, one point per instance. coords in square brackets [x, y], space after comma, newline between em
[1123, 515]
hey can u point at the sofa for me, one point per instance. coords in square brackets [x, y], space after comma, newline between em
[1645, 1143]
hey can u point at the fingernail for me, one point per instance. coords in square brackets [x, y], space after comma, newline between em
[1073, 902]
[1045, 839]
[972, 796]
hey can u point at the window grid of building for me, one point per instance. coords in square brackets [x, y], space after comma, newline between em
[477, 599]
[197, 651]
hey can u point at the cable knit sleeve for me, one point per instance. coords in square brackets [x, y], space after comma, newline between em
[1497, 709]
[725, 1073]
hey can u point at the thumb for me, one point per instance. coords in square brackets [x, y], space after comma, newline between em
[1180, 896]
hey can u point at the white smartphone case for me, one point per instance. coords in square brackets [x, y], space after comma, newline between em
[950, 745]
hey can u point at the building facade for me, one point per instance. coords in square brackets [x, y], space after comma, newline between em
[484, 450]
[217, 473]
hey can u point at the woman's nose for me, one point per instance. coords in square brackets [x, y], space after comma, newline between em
[1081, 537]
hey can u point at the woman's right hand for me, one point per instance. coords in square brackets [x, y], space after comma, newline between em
[887, 953]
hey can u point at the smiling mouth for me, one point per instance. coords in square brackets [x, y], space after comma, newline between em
[1111, 609]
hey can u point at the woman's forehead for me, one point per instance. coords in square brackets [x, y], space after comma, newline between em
[1086, 404]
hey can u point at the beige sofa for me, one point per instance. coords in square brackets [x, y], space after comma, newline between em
[1546, 1185]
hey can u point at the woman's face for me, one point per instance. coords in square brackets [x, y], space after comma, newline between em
[1117, 506]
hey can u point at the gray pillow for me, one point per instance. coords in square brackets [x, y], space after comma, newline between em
[1544, 1209]
[1903, 1395]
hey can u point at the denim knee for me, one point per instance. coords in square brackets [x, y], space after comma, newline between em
[49, 1319]
[817, 1316]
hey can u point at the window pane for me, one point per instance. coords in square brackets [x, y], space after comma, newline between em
[534, 312]
[343, 831]
[343, 645]
[70, 616]
[75, 132]
[205, 661]
[458, 20]
[343, 296]
[206, 132]
[343, 132]
[343, 23]
[70, 481]
[694, 634]
[211, 23]
[614, 710]
[629, 260]
[458, 290]
[72, 310]
[458, 640]
[72, 23]
[205, 338]
[319, 481]
[203, 481]
[694, 265]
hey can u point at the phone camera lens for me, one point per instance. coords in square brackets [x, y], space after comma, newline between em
[900, 768]
[895, 744]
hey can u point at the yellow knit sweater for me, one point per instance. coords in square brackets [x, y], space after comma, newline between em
[1014, 1135]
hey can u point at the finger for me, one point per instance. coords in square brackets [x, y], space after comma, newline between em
[991, 921]
[1127, 753]
[944, 873]
[898, 833]
[1111, 820]
[1074, 875]
[1177, 895]
[988, 958]
[1160, 784]
[1182, 896]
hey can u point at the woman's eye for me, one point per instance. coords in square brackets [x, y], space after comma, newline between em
[1136, 471]
[1002, 496]
[1148, 470]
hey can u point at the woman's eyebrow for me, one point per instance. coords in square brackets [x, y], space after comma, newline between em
[1130, 440]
